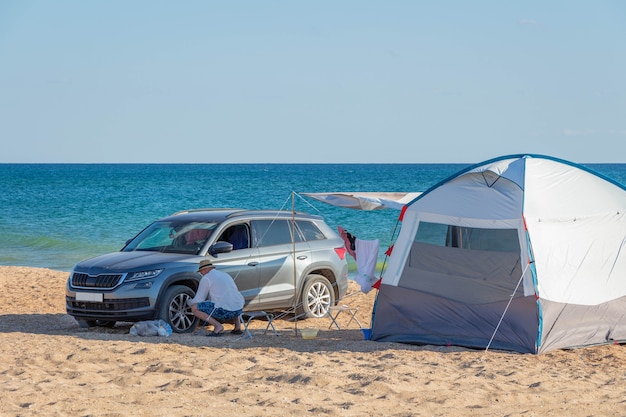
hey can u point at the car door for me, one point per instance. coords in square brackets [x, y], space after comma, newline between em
[279, 270]
[242, 263]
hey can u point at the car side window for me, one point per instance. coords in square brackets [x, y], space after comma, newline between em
[310, 231]
[274, 232]
[237, 235]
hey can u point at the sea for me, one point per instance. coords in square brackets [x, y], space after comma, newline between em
[55, 215]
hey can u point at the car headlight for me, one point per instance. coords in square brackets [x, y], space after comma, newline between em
[134, 276]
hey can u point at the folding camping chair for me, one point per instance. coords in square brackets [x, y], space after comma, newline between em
[336, 310]
[247, 316]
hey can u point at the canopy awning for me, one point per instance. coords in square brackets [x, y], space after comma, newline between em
[365, 200]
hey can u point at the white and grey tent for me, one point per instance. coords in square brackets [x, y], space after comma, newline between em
[522, 252]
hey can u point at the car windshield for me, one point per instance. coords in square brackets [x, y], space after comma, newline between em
[172, 236]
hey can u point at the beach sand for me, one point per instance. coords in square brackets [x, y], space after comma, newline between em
[51, 366]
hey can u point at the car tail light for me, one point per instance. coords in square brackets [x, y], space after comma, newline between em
[341, 252]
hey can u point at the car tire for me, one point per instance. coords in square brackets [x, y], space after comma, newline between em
[317, 297]
[174, 310]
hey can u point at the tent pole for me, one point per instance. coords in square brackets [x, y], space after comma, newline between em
[506, 309]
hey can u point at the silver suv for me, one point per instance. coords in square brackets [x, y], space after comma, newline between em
[281, 261]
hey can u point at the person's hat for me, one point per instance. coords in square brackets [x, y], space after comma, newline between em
[205, 263]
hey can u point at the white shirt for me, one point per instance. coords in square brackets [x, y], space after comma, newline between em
[219, 288]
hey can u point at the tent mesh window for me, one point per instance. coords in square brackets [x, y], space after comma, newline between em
[469, 265]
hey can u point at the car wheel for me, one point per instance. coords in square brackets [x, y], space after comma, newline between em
[317, 297]
[174, 309]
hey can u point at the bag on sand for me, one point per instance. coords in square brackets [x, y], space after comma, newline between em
[151, 328]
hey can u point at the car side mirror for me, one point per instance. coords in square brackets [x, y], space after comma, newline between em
[220, 247]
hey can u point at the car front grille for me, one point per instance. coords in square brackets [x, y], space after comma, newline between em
[74, 306]
[80, 280]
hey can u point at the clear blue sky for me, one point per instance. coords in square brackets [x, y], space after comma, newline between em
[311, 81]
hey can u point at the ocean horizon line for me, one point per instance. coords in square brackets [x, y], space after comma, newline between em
[244, 163]
[289, 163]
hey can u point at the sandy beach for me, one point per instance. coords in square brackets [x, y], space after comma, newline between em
[51, 366]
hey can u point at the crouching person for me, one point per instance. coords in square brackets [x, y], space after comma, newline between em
[217, 300]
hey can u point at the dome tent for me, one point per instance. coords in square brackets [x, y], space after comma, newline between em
[522, 252]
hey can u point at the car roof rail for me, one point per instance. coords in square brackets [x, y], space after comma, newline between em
[205, 209]
[272, 213]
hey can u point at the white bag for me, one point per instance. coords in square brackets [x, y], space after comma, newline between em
[151, 328]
